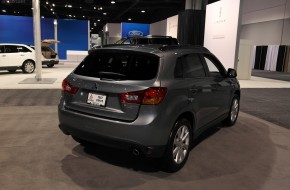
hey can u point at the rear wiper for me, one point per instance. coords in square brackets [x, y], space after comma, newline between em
[111, 76]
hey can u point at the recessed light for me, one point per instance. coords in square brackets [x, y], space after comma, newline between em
[113, 2]
[53, 4]
[129, 19]
[47, 2]
[69, 15]
[7, 1]
[4, 11]
[42, 16]
[95, 7]
[104, 13]
[51, 9]
[69, 6]
[53, 12]
[99, 20]
[101, 8]
[81, 7]
[74, 16]
[84, 17]
[143, 11]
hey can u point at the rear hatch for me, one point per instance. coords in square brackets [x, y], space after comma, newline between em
[111, 83]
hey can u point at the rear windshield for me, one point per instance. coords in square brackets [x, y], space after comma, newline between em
[119, 65]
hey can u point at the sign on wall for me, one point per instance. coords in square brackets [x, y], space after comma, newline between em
[134, 29]
[221, 30]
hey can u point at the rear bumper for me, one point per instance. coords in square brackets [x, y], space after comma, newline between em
[148, 138]
[50, 62]
[126, 145]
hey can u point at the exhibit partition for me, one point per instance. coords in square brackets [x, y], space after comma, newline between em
[221, 31]
[272, 58]
[72, 34]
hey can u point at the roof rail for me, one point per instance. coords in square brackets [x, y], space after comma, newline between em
[173, 47]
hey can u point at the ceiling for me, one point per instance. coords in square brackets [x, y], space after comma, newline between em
[99, 12]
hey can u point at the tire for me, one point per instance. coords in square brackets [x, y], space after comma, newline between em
[50, 65]
[12, 71]
[28, 66]
[234, 112]
[178, 147]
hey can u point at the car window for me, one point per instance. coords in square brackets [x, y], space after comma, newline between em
[190, 66]
[213, 66]
[1, 49]
[11, 49]
[116, 65]
[23, 49]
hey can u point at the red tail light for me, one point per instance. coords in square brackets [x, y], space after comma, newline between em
[68, 88]
[151, 96]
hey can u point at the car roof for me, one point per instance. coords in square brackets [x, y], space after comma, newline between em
[157, 49]
[13, 44]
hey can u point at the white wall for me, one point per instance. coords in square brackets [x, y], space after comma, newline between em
[263, 21]
[221, 30]
[172, 25]
[159, 28]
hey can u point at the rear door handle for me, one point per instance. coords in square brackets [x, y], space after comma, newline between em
[21, 55]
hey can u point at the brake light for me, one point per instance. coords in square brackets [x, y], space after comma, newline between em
[151, 96]
[68, 88]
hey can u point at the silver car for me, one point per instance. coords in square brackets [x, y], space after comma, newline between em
[151, 100]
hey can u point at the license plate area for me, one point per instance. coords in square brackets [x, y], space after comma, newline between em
[97, 99]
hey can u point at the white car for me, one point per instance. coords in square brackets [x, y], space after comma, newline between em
[17, 56]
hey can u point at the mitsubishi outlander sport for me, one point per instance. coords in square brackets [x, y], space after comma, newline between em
[151, 100]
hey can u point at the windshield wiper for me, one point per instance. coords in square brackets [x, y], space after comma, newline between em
[111, 76]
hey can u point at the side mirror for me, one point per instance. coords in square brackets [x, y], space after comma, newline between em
[232, 73]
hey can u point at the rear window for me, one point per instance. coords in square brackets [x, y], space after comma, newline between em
[119, 65]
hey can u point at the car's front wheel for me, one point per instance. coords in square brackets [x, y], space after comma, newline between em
[234, 112]
[178, 147]
[28, 66]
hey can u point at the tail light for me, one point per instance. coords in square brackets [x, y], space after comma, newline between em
[68, 88]
[151, 96]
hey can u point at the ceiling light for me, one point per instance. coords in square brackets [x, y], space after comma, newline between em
[74, 16]
[100, 8]
[129, 19]
[95, 24]
[81, 7]
[99, 20]
[104, 13]
[7, 1]
[84, 17]
[95, 7]
[51, 9]
[69, 6]
[143, 11]
[53, 4]
[53, 12]
[4, 11]
[113, 2]
[42, 16]
[69, 15]
[47, 2]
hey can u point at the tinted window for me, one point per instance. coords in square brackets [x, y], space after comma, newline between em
[120, 66]
[11, 49]
[1, 49]
[23, 49]
[190, 66]
[164, 41]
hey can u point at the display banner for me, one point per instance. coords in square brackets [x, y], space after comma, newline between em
[134, 29]
[221, 31]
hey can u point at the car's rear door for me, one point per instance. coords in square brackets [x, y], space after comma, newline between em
[104, 77]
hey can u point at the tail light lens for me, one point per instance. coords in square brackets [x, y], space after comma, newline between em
[68, 88]
[151, 96]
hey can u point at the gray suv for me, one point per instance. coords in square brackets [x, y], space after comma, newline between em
[151, 100]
